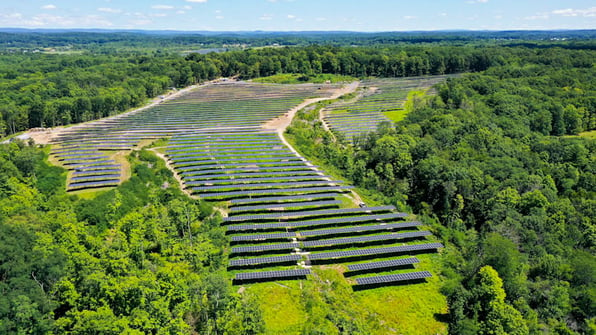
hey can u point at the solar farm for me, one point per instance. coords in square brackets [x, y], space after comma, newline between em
[283, 214]
[377, 98]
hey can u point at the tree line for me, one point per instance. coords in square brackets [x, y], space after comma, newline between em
[43, 90]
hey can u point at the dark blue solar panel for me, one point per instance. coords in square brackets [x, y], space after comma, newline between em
[393, 278]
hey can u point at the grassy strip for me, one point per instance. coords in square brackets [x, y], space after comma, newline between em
[294, 78]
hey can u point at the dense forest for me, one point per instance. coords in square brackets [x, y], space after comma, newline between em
[47, 90]
[140, 259]
[41, 90]
[514, 200]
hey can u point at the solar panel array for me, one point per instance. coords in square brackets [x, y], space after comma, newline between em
[396, 278]
[352, 118]
[85, 148]
[284, 212]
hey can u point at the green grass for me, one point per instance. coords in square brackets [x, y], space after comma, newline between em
[409, 309]
[293, 78]
[396, 115]
[281, 305]
[588, 134]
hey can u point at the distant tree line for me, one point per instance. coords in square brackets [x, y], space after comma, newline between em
[46, 90]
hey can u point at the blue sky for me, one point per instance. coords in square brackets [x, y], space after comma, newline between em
[293, 15]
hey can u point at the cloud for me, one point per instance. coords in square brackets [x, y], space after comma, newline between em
[180, 12]
[290, 16]
[266, 17]
[410, 17]
[187, 7]
[166, 7]
[538, 16]
[476, 1]
[588, 12]
[109, 10]
[48, 20]
[48, 7]
[197, 1]
[219, 17]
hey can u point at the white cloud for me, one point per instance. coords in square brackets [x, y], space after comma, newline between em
[443, 14]
[266, 17]
[158, 15]
[588, 12]
[538, 16]
[49, 7]
[410, 17]
[109, 10]
[180, 12]
[187, 7]
[219, 17]
[290, 16]
[197, 1]
[476, 1]
[48, 20]
[167, 7]
[140, 22]
[498, 17]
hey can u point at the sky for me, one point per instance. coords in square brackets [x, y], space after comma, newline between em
[300, 15]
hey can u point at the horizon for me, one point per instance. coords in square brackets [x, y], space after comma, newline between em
[300, 15]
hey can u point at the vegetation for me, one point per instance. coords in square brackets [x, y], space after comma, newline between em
[296, 78]
[512, 199]
[500, 163]
[143, 258]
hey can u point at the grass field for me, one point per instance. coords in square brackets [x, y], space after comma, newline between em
[292, 78]
[408, 309]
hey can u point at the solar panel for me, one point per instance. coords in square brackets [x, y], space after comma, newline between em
[285, 198]
[307, 213]
[261, 237]
[254, 180]
[264, 260]
[374, 251]
[264, 169]
[362, 239]
[252, 165]
[244, 160]
[285, 205]
[272, 274]
[95, 177]
[393, 278]
[393, 263]
[348, 220]
[266, 247]
[253, 174]
[93, 183]
[266, 185]
[274, 191]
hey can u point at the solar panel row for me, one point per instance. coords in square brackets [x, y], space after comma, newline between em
[361, 239]
[383, 264]
[393, 278]
[264, 260]
[348, 220]
[307, 213]
[374, 251]
[248, 193]
[286, 198]
[265, 247]
[285, 205]
[272, 274]
[258, 237]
